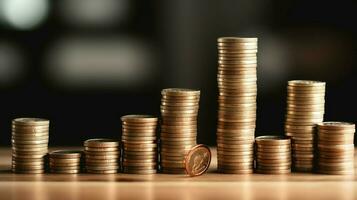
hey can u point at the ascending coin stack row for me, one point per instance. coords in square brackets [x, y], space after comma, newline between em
[179, 110]
[237, 85]
[65, 161]
[305, 109]
[29, 145]
[336, 148]
[273, 155]
[139, 144]
[101, 156]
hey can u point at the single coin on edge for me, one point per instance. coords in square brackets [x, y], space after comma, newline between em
[198, 160]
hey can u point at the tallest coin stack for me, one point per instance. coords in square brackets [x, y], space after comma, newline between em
[237, 84]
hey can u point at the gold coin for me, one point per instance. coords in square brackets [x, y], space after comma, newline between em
[140, 153]
[100, 149]
[145, 138]
[139, 118]
[65, 160]
[31, 121]
[232, 55]
[153, 156]
[101, 142]
[306, 83]
[336, 126]
[180, 92]
[150, 145]
[102, 167]
[238, 45]
[227, 57]
[114, 152]
[237, 39]
[61, 165]
[236, 66]
[29, 128]
[273, 140]
[149, 129]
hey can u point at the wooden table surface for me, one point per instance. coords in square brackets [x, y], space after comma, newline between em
[162, 186]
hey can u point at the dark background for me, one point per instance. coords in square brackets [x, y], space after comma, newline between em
[87, 63]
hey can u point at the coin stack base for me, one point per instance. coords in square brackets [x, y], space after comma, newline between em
[273, 155]
[29, 145]
[139, 144]
[101, 156]
[305, 108]
[336, 148]
[65, 161]
[237, 85]
[179, 110]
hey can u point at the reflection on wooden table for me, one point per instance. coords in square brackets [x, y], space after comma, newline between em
[162, 186]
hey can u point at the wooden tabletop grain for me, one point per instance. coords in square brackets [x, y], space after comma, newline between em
[162, 186]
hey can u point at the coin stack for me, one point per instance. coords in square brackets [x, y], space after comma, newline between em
[139, 144]
[237, 85]
[65, 161]
[179, 110]
[336, 148]
[273, 155]
[29, 145]
[101, 156]
[305, 108]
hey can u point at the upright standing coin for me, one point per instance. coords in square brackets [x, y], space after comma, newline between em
[198, 160]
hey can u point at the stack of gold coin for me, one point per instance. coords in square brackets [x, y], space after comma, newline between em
[139, 144]
[237, 85]
[336, 148]
[273, 154]
[65, 161]
[179, 110]
[29, 145]
[101, 156]
[305, 108]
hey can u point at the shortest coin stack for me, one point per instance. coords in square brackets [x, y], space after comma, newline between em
[336, 148]
[101, 156]
[273, 154]
[65, 162]
[139, 144]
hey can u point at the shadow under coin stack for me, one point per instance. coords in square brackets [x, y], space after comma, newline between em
[65, 162]
[179, 110]
[273, 155]
[237, 85]
[29, 145]
[336, 148]
[101, 156]
[139, 144]
[305, 109]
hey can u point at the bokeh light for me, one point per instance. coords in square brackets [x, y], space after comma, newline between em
[24, 14]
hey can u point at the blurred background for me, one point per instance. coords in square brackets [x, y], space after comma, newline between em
[85, 63]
